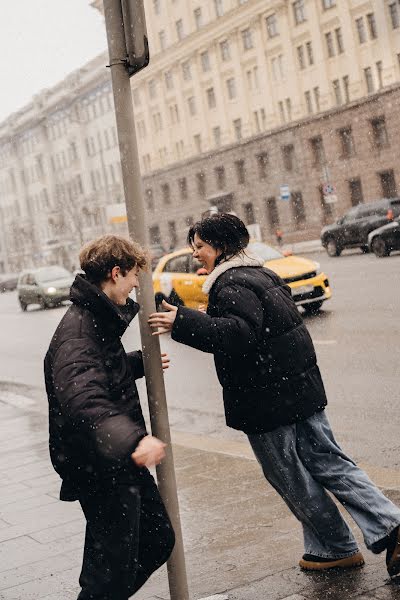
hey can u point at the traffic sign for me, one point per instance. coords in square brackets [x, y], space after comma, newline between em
[328, 188]
[284, 192]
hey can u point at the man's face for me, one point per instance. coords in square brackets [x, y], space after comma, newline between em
[123, 284]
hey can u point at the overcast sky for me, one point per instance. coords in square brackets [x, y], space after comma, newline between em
[41, 41]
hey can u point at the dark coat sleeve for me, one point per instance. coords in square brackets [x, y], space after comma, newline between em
[235, 331]
[82, 389]
[135, 360]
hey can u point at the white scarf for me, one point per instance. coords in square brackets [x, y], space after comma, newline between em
[243, 259]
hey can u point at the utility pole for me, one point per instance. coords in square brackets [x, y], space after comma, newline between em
[121, 43]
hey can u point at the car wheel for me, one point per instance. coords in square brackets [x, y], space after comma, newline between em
[42, 303]
[313, 307]
[380, 247]
[22, 304]
[364, 249]
[333, 248]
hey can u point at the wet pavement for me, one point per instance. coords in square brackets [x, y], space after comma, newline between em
[240, 540]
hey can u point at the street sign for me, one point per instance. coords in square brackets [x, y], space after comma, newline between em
[136, 41]
[284, 192]
[330, 198]
[328, 188]
[116, 213]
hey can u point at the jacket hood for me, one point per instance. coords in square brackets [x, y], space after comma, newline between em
[244, 259]
[114, 319]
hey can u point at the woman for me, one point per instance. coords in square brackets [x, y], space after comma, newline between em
[273, 391]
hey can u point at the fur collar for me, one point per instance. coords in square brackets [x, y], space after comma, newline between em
[244, 259]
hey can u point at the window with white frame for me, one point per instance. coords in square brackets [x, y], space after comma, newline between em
[225, 50]
[192, 105]
[211, 99]
[186, 71]
[163, 39]
[219, 8]
[205, 61]
[394, 11]
[231, 87]
[198, 18]
[179, 29]
[362, 34]
[247, 39]
[272, 26]
[328, 4]
[299, 11]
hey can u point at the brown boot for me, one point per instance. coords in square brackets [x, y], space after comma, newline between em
[393, 553]
[316, 563]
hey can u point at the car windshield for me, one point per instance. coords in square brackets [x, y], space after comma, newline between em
[52, 274]
[264, 251]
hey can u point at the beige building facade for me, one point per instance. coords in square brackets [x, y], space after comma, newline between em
[240, 98]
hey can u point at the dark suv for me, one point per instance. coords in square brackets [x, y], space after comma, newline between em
[351, 230]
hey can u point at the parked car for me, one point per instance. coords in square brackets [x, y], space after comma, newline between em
[8, 282]
[178, 278]
[352, 230]
[46, 286]
[383, 240]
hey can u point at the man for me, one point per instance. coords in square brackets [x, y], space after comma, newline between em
[98, 440]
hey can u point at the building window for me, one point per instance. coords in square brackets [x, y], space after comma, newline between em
[379, 69]
[201, 183]
[248, 210]
[240, 171]
[356, 193]
[388, 184]
[262, 164]
[362, 36]
[288, 157]
[300, 57]
[192, 106]
[183, 189]
[282, 111]
[166, 193]
[169, 82]
[231, 87]
[337, 91]
[307, 96]
[346, 85]
[339, 40]
[328, 4]
[272, 213]
[219, 8]
[173, 237]
[186, 71]
[237, 126]
[317, 148]
[317, 98]
[272, 26]
[152, 88]
[220, 177]
[379, 132]
[155, 235]
[247, 39]
[225, 50]
[149, 199]
[198, 19]
[394, 10]
[373, 32]
[205, 61]
[329, 44]
[298, 209]
[299, 12]
[163, 40]
[217, 136]
[156, 6]
[310, 54]
[369, 80]
[211, 100]
[179, 29]
[197, 143]
[347, 142]
[189, 221]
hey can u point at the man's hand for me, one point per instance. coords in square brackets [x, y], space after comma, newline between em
[163, 320]
[149, 452]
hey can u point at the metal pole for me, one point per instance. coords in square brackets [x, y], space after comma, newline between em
[151, 345]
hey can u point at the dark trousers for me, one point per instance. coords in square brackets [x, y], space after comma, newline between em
[128, 537]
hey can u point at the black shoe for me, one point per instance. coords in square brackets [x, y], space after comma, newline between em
[393, 553]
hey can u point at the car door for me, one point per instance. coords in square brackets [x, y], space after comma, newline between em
[175, 277]
[350, 225]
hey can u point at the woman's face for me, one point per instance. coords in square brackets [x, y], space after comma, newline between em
[205, 253]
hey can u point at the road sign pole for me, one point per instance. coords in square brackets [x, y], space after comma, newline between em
[136, 224]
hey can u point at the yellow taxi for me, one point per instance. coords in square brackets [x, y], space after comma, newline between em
[178, 277]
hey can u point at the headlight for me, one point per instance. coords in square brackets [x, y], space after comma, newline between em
[51, 290]
[317, 268]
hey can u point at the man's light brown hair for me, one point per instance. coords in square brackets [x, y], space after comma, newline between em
[98, 257]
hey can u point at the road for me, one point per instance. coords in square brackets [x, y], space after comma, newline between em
[357, 338]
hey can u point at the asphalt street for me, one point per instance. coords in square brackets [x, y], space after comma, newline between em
[356, 337]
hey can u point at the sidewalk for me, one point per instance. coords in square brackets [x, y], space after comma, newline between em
[240, 540]
[304, 247]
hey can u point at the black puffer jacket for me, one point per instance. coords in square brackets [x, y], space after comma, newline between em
[95, 417]
[263, 353]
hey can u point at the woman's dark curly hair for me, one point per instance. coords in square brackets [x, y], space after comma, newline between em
[222, 231]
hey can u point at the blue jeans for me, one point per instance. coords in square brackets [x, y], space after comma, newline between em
[301, 462]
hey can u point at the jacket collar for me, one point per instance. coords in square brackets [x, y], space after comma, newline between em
[244, 259]
[114, 319]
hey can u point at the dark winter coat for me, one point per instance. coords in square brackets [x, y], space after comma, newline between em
[263, 353]
[95, 418]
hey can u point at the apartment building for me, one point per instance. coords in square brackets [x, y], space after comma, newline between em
[241, 97]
